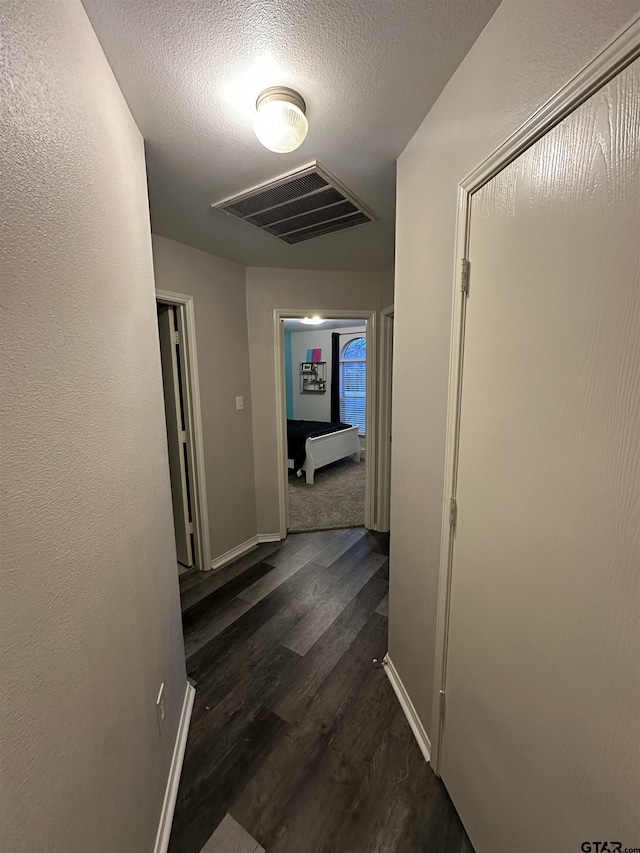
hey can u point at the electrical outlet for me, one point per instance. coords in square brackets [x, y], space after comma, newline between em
[160, 708]
[239, 404]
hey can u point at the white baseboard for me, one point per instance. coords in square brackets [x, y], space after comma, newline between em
[243, 548]
[269, 537]
[409, 710]
[234, 553]
[171, 791]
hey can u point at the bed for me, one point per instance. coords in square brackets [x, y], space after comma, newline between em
[314, 444]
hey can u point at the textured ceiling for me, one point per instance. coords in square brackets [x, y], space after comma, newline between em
[369, 70]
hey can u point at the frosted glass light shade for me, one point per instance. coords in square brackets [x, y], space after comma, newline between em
[280, 122]
[312, 321]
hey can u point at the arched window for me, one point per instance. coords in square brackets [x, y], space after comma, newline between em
[354, 349]
[353, 383]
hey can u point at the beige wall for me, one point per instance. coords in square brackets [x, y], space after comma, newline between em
[526, 52]
[89, 608]
[218, 290]
[305, 290]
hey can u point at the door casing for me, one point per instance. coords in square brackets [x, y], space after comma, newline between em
[193, 417]
[383, 510]
[170, 357]
[280, 314]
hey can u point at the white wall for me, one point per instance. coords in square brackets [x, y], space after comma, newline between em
[524, 55]
[314, 406]
[218, 290]
[89, 607]
[313, 291]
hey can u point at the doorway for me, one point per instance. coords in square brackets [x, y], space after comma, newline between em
[326, 383]
[178, 355]
[326, 401]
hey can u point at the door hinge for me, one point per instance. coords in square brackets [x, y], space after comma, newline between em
[190, 529]
[176, 337]
[442, 703]
[464, 275]
[453, 512]
[183, 437]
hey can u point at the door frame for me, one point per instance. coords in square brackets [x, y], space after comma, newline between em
[193, 418]
[281, 405]
[179, 466]
[383, 513]
[620, 52]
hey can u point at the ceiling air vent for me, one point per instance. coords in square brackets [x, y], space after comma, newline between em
[296, 207]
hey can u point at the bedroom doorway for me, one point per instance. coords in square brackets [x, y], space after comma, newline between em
[176, 334]
[326, 445]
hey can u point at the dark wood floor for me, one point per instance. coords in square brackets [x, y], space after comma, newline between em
[294, 733]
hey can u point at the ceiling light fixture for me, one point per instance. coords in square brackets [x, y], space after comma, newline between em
[280, 122]
[312, 321]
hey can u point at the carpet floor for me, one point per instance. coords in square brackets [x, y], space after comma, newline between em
[334, 501]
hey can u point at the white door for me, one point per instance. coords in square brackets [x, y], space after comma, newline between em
[540, 743]
[176, 434]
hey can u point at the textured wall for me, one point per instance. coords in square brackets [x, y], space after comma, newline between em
[313, 291]
[526, 52]
[89, 609]
[218, 290]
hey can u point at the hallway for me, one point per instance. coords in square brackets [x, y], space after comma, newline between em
[295, 735]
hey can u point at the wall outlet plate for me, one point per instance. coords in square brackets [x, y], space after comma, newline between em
[239, 404]
[160, 708]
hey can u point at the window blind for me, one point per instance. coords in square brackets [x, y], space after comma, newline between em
[353, 384]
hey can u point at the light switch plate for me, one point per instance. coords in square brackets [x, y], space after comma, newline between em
[239, 404]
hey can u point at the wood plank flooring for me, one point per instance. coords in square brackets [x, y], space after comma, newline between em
[296, 739]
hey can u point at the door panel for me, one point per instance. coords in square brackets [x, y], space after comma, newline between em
[175, 434]
[540, 743]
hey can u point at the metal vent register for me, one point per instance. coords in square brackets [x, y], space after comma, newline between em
[298, 206]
